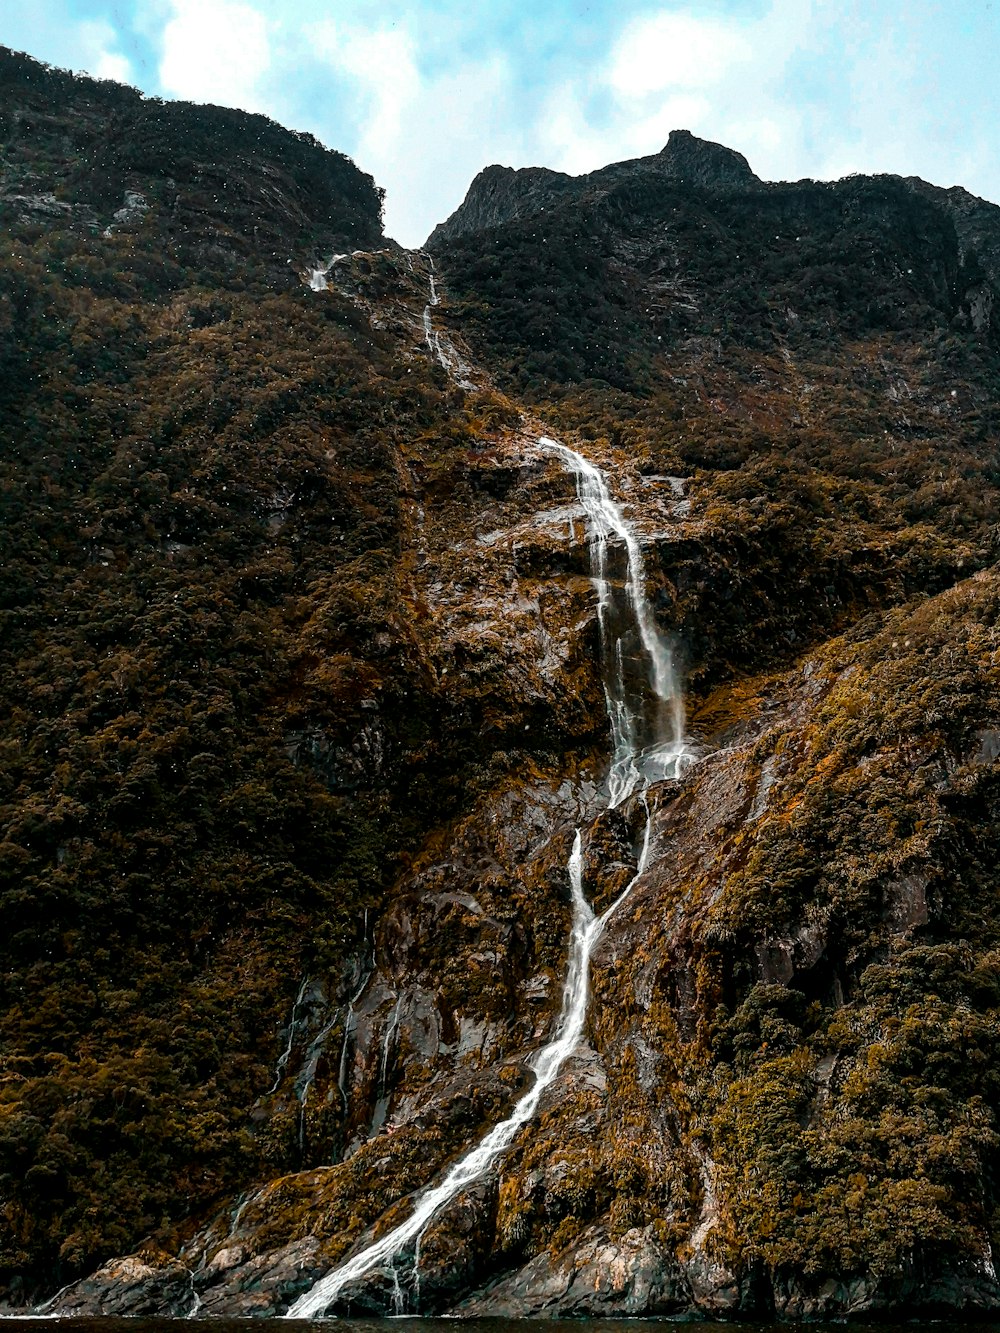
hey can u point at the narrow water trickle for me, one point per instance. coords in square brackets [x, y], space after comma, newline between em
[646, 714]
[283, 1058]
[440, 346]
[306, 1078]
[383, 1090]
[433, 339]
[195, 1297]
[351, 1020]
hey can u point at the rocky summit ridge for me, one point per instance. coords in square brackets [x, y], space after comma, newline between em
[503, 194]
[303, 703]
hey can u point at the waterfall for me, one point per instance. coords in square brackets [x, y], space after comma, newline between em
[284, 1057]
[439, 344]
[317, 277]
[646, 715]
[433, 339]
[644, 699]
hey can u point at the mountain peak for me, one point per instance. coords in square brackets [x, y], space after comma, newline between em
[701, 162]
[502, 194]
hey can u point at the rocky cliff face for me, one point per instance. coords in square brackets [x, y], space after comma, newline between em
[500, 194]
[303, 706]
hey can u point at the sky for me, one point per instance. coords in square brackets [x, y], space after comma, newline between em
[424, 94]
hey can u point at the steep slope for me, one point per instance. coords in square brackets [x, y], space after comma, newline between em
[224, 729]
[206, 185]
[304, 706]
[823, 357]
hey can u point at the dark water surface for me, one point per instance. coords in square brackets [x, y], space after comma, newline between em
[412, 1324]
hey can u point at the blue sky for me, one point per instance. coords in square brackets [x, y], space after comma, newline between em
[425, 93]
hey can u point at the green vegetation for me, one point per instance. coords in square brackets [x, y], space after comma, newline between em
[222, 188]
[607, 279]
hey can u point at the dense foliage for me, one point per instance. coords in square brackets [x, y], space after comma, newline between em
[200, 620]
[600, 284]
[857, 1076]
[292, 642]
[214, 187]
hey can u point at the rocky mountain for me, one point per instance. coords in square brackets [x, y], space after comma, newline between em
[205, 185]
[501, 194]
[308, 648]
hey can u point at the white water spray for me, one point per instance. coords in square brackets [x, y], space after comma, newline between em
[439, 344]
[642, 755]
[318, 276]
[644, 700]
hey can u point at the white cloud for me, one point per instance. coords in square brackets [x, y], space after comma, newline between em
[420, 134]
[112, 66]
[567, 142]
[216, 51]
[95, 41]
[675, 50]
[460, 122]
[382, 63]
[723, 79]
[50, 30]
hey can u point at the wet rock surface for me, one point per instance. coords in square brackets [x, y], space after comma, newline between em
[596, 1276]
[614, 1139]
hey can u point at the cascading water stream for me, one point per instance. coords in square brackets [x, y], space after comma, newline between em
[285, 1055]
[318, 276]
[644, 699]
[646, 716]
[433, 339]
[351, 1020]
[440, 346]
